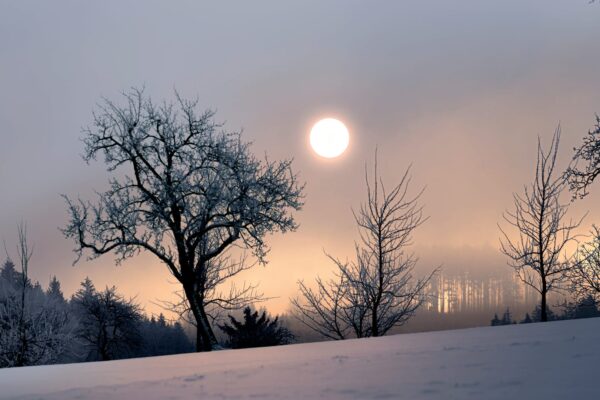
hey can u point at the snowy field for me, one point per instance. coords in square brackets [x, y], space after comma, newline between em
[556, 360]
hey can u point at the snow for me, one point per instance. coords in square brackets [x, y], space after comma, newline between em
[535, 361]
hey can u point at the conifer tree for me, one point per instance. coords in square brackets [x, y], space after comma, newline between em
[54, 291]
[255, 331]
[495, 321]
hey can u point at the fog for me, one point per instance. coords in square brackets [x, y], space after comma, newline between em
[460, 91]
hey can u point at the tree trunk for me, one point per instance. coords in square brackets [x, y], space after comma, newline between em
[199, 339]
[205, 337]
[374, 325]
[543, 311]
[544, 314]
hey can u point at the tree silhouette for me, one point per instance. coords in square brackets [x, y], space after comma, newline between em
[538, 254]
[375, 292]
[585, 307]
[186, 191]
[54, 291]
[580, 177]
[527, 319]
[495, 321]
[255, 331]
[108, 323]
[585, 274]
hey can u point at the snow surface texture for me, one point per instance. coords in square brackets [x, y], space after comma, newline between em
[555, 360]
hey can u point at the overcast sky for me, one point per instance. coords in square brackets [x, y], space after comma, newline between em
[459, 89]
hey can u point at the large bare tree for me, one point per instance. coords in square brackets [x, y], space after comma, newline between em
[538, 249]
[376, 291]
[184, 190]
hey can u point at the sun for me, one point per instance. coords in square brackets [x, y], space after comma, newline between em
[329, 138]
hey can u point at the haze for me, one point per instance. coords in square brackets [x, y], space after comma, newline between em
[460, 90]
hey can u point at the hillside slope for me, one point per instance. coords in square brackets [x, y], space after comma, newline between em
[536, 361]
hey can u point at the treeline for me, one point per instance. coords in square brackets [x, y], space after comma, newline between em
[40, 326]
[586, 307]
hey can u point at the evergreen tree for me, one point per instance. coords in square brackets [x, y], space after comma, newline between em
[586, 307]
[495, 321]
[180, 341]
[9, 274]
[54, 291]
[255, 331]
[536, 315]
[160, 337]
[506, 319]
[527, 319]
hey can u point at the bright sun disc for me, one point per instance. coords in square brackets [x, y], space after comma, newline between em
[329, 138]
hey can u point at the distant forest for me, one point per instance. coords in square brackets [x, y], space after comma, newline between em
[40, 326]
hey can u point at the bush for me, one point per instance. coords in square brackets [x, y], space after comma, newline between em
[255, 331]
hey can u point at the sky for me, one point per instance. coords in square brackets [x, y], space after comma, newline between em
[460, 90]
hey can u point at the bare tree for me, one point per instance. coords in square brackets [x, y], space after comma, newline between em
[184, 190]
[376, 291]
[327, 309]
[108, 326]
[585, 274]
[539, 253]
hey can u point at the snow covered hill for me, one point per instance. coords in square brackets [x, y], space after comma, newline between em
[556, 360]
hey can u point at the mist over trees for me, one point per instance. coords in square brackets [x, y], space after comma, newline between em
[185, 190]
[376, 291]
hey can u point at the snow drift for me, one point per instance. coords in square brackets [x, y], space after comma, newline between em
[535, 361]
